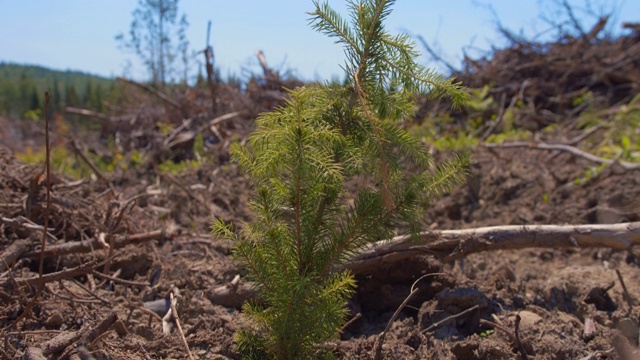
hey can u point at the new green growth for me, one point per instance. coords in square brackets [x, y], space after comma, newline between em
[302, 154]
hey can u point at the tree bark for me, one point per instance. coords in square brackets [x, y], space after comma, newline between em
[449, 245]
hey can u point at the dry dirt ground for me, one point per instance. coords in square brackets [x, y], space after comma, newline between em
[571, 302]
[122, 243]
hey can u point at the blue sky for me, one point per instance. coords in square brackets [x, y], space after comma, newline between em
[80, 34]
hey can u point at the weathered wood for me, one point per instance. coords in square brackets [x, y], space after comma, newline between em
[566, 148]
[13, 252]
[96, 243]
[449, 245]
[87, 112]
[85, 268]
[233, 294]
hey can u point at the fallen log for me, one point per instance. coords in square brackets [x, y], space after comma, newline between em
[449, 245]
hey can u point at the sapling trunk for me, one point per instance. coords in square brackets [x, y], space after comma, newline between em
[300, 157]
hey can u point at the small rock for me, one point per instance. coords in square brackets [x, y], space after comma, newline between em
[629, 328]
[54, 321]
[529, 319]
[589, 331]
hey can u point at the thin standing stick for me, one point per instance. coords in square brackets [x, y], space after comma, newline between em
[48, 179]
[177, 318]
[355, 318]
[414, 290]
[39, 280]
[523, 352]
[626, 295]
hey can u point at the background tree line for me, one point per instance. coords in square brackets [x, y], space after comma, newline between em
[22, 89]
[157, 36]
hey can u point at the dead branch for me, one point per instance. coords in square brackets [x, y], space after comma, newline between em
[523, 352]
[118, 280]
[449, 318]
[225, 117]
[153, 91]
[435, 56]
[234, 294]
[176, 317]
[414, 290]
[87, 113]
[85, 268]
[65, 340]
[449, 245]
[29, 226]
[574, 19]
[47, 209]
[13, 252]
[491, 324]
[625, 294]
[567, 148]
[107, 121]
[597, 28]
[208, 57]
[76, 149]
[95, 243]
[355, 318]
[269, 74]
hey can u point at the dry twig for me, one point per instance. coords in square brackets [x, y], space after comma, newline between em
[567, 148]
[414, 290]
[60, 275]
[174, 312]
[449, 318]
[521, 349]
[79, 247]
[153, 91]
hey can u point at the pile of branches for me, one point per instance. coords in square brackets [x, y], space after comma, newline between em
[144, 114]
[548, 77]
[545, 83]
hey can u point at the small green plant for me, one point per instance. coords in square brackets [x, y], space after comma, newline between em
[306, 224]
[62, 161]
[618, 138]
[172, 167]
[480, 100]
[67, 163]
[591, 172]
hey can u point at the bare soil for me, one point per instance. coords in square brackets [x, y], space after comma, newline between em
[547, 303]
[555, 292]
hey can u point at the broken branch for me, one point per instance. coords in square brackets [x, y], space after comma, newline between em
[449, 245]
[95, 243]
[153, 91]
[567, 148]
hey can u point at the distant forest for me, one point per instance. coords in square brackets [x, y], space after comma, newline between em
[22, 90]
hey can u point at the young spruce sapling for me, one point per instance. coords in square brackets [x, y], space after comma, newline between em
[299, 159]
